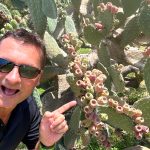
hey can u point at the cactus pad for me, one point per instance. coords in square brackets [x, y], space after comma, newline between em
[144, 105]
[92, 35]
[144, 20]
[118, 120]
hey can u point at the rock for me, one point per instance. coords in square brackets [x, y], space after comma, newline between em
[138, 147]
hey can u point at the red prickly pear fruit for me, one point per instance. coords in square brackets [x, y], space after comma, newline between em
[139, 120]
[84, 66]
[109, 6]
[78, 73]
[138, 128]
[105, 92]
[138, 135]
[80, 83]
[119, 109]
[114, 103]
[87, 109]
[126, 108]
[73, 54]
[114, 9]
[99, 88]
[137, 113]
[101, 7]
[99, 26]
[147, 52]
[110, 102]
[145, 129]
[102, 137]
[76, 66]
[99, 79]
[88, 73]
[93, 103]
[65, 36]
[98, 133]
[106, 144]
[100, 125]
[97, 72]
[70, 49]
[92, 129]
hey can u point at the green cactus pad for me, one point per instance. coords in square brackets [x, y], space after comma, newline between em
[146, 74]
[5, 10]
[18, 3]
[131, 31]
[76, 4]
[71, 136]
[103, 54]
[106, 18]
[117, 79]
[117, 120]
[144, 105]
[144, 20]
[70, 25]
[38, 18]
[130, 6]
[50, 10]
[54, 52]
[92, 35]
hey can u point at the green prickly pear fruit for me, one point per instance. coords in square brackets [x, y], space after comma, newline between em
[3, 30]
[14, 23]
[103, 116]
[17, 18]
[8, 26]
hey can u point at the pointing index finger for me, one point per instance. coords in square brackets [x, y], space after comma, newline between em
[66, 107]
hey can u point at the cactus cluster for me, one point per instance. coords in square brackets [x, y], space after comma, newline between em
[93, 96]
[10, 19]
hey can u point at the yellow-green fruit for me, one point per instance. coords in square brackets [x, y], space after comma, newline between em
[8, 26]
[3, 30]
[14, 23]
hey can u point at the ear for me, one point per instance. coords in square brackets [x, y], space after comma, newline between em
[39, 78]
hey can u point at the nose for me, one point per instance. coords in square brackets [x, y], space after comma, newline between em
[13, 77]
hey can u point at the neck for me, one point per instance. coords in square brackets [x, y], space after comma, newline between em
[5, 114]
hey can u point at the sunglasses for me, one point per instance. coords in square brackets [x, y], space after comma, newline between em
[25, 71]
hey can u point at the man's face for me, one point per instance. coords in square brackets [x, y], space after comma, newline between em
[14, 88]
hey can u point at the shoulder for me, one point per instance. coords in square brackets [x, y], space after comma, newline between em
[29, 107]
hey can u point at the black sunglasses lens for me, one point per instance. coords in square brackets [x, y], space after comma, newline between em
[28, 71]
[5, 65]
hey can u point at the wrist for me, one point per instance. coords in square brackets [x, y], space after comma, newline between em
[46, 147]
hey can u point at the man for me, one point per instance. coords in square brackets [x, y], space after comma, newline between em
[22, 57]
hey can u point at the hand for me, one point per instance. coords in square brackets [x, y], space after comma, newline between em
[53, 124]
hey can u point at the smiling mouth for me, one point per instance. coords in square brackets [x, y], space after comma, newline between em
[8, 91]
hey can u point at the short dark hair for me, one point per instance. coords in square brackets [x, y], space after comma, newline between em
[29, 38]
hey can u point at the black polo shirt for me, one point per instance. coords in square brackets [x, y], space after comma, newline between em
[23, 125]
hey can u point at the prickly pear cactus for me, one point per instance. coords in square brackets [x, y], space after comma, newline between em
[146, 74]
[144, 19]
[38, 18]
[71, 136]
[144, 105]
[55, 53]
[50, 10]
